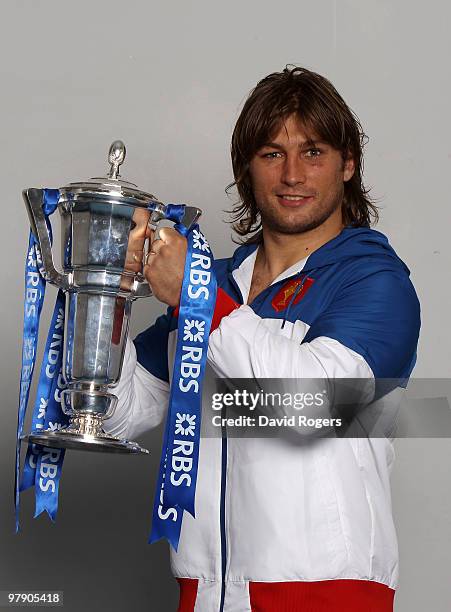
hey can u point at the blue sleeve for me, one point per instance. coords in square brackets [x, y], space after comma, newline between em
[377, 315]
[152, 346]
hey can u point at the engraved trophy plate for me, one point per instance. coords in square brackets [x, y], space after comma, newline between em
[102, 219]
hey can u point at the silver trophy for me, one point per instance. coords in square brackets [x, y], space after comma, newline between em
[103, 221]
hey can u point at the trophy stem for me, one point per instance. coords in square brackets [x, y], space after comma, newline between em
[88, 405]
[87, 424]
[85, 430]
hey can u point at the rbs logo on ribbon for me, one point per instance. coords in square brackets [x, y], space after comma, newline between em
[194, 329]
[49, 469]
[190, 367]
[178, 468]
[185, 425]
[183, 462]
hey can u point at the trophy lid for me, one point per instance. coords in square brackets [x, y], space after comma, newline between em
[110, 186]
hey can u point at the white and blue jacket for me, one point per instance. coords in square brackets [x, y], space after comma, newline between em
[274, 519]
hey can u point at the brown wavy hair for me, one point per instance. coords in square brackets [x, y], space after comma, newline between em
[321, 110]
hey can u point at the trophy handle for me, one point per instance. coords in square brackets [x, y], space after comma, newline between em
[33, 202]
[192, 214]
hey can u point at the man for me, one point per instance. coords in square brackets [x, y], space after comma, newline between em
[313, 293]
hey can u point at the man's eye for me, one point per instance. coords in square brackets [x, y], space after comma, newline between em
[313, 152]
[272, 155]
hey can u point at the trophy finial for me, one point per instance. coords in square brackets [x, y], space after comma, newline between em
[116, 157]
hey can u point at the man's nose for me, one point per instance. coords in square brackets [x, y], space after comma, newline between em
[294, 170]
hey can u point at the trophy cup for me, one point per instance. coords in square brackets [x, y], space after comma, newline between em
[100, 219]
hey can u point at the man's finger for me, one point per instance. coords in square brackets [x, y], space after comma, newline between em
[167, 234]
[156, 246]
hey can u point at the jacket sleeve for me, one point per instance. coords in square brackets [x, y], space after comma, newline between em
[371, 326]
[378, 317]
[143, 389]
[369, 330]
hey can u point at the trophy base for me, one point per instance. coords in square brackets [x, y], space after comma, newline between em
[70, 438]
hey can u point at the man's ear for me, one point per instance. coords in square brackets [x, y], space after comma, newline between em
[348, 167]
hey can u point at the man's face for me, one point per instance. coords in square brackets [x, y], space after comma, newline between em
[298, 181]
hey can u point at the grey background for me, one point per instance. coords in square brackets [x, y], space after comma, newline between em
[169, 79]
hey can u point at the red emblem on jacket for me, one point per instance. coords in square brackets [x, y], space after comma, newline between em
[285, 293]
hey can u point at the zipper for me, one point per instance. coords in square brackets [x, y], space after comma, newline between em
[222, 517]
[224, 449]
[222, 507]
[293, 297]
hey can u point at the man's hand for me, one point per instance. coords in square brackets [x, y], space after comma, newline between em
[165, 265]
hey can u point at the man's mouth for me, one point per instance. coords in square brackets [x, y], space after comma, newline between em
[293, 200]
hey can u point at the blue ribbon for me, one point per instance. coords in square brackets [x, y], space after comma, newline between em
[177, 476]
[48, 414]
[175, 212]
[36, 467]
